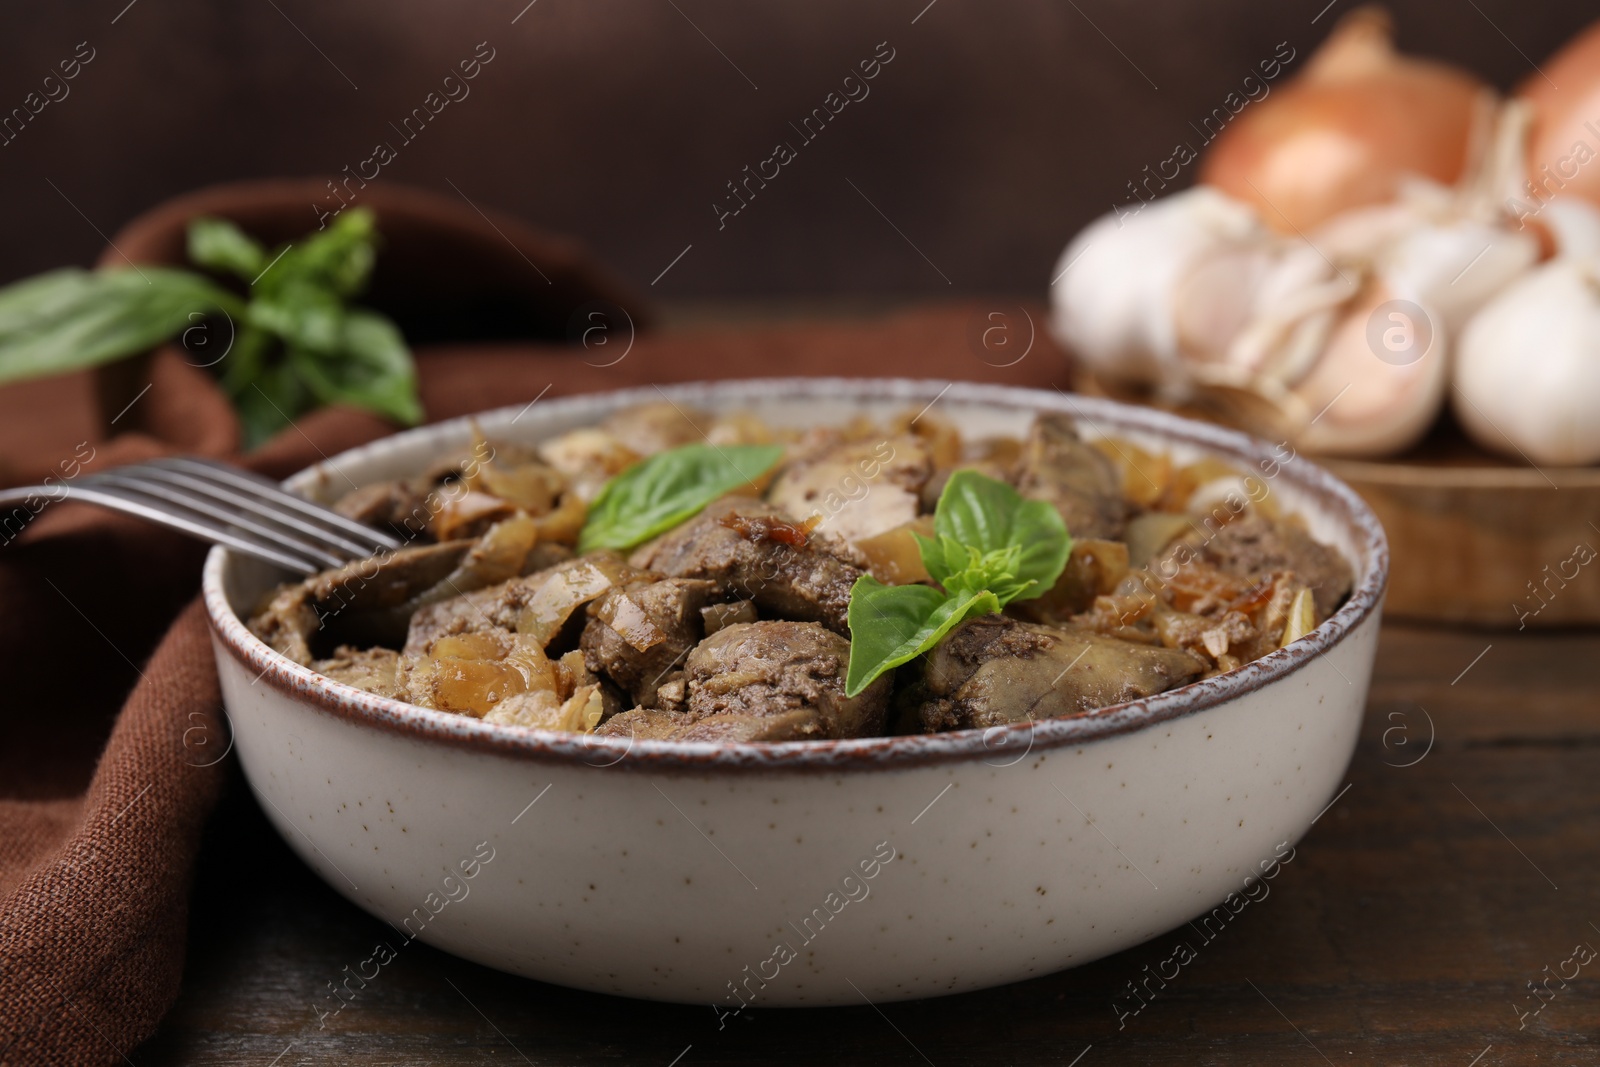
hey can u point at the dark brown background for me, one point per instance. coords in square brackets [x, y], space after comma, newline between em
[998, 130]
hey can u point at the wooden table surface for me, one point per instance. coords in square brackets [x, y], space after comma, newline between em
[1460, 863]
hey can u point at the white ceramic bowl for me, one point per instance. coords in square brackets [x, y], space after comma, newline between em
[807, 873]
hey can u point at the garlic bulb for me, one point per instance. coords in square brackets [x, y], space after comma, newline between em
[1194, 291]
[1339, 341]
[1528, 366]
[1350, 130]
[1113, 293]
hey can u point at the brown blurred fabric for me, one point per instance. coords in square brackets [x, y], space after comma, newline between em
[98, 837]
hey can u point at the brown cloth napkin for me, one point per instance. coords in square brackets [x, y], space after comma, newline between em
[98, 838]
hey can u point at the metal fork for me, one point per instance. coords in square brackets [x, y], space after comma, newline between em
[213, 502]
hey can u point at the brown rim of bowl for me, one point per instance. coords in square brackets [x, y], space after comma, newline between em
[1000, 746]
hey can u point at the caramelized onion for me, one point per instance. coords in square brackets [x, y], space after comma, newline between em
[1145, 477]
[466, 514]
[757, 529]
[499, 554]
[533, 487]
[1302, 618]
[1148, 535]
[624, 615]
[470, 673]
[1349, 130]
[894, 557]
[572, 585]
[943, 439]
[565, 523]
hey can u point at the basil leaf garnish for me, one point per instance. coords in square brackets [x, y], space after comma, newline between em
[670, 488]
[990, 546]
[991, 516]
[894, 624]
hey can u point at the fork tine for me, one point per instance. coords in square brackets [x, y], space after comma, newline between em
[168, 497]
[250, 482]
[162, 515]
[263, 507]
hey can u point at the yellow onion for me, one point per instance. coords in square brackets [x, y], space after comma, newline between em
[1350, 130]
[567, 588]
[1564, 144]
[894, 557]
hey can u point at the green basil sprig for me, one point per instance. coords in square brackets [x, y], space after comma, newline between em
[298, 345]
[669, 488]
[70, 319]
[990, 547]
[294, 343]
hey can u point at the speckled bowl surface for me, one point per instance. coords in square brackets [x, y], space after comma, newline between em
[808, 873]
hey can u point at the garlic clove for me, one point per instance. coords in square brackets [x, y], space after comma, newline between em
[1453, 268]
[1294, 306]
[1115, 283]
[1527, 379]
[1216, 299]
[1360, 234]
[1358, 403]
[1574, 227]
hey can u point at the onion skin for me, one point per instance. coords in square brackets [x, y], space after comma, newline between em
[1348, 131]
[1559, 118]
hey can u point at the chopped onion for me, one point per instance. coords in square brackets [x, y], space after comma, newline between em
[571, 586]
[894, 557]
[1302, 618]
[624, 615]
[464, 514]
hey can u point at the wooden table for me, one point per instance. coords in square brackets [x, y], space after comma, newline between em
[1405, 931]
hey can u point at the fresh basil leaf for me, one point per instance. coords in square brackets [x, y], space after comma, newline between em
[894, 624]
[245, 361]
[669, 488]
[219, 245]
[990, 516]
[942, 555]
[68, 320]
[270, 402]
[338, 259]
[371, 368]
[303, 316]
[994, 571]
[41, 298]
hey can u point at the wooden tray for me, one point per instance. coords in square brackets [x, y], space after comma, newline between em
[1478, 540]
